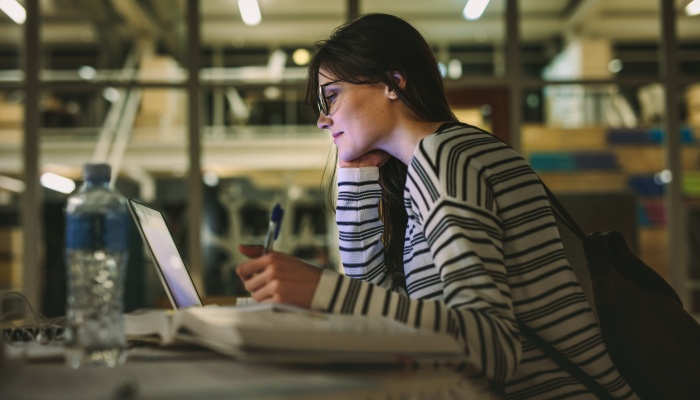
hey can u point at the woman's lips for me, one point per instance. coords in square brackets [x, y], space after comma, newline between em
[336, 134]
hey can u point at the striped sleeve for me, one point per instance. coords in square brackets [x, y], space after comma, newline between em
[359, 226]
[476, 307]
[465, 244]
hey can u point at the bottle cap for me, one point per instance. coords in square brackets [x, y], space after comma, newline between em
[97, 173]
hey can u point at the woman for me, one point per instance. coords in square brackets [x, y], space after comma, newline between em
[442, 226]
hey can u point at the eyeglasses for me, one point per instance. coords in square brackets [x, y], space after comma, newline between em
[321, 102]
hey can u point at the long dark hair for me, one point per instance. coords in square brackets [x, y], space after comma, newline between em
[369, 50]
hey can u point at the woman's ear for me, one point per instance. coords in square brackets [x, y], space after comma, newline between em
[399, 80]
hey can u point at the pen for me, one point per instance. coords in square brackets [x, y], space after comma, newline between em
[273, 228]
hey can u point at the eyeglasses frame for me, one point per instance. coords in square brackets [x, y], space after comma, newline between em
[321, 102]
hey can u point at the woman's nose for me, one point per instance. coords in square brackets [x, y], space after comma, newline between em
[324, 121]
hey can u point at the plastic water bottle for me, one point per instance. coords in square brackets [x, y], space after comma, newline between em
[96, 252]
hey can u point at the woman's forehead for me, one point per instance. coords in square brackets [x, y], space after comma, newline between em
[325, 76]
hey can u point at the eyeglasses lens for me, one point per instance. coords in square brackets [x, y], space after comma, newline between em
[321, 102]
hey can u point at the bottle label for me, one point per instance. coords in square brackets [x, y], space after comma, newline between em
[115, 238]
[97, 231]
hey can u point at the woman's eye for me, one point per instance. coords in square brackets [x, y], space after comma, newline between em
[331, 97]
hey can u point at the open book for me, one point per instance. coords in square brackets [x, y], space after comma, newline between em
[281, 333]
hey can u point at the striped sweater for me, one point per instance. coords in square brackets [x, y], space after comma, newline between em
[481, 250]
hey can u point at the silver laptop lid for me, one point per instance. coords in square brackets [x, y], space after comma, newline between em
[171, 270]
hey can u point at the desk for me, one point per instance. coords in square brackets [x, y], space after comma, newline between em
[186, 373]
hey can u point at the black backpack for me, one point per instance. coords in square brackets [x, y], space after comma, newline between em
[652, 340]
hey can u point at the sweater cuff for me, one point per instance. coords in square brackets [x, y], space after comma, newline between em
[324, 290]
[358, 174]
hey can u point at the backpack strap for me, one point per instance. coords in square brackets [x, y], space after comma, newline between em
[565, 363]
[545, 346]
[564, 215]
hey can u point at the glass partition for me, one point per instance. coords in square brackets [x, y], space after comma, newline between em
[260, 143]
[11, 188]
[141, 133]
[691, 189]
[466, 47]
[116, 41]
[11, 173]
[605, 141]
[113, 78]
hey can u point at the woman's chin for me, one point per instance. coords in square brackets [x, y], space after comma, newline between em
[346, 156]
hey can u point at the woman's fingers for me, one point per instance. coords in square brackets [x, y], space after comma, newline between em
[279, 278]
[257, 281]
[269, 292]
[248, 268]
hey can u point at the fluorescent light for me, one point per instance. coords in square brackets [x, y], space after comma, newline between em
[11, 184]
[693, 8]
[276, 63]
[57, 182]
[474, 8]
[13, 10]
[250, 11]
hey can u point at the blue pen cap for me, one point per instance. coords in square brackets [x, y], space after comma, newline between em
[276, 217]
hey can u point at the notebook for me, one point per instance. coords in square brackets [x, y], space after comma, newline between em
[268, 332]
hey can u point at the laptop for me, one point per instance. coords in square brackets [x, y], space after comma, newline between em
[172, 272]
[175, 278]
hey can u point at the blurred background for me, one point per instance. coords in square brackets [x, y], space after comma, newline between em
[198, 105]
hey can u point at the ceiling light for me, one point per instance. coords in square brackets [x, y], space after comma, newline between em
[474, 8]
[211, 178]
[295, 192]
[111, 94]
[532, 100]
[663, 178]
[87, 72]
[276, 63]
[615, 65]
[272, 93]
[693, 8]
[56, 182]
[301, 56]
[250, 11]
[454, 69]
[14, 10]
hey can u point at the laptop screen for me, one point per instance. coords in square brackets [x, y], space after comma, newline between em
[173, 273]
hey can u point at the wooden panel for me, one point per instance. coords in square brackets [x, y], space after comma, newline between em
[11, 114]
[650, 159]
[10, 258]
[543, 138]
[585, 181]
[693, 102]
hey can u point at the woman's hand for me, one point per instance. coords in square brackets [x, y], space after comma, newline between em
[375, 158]
[278, 277]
